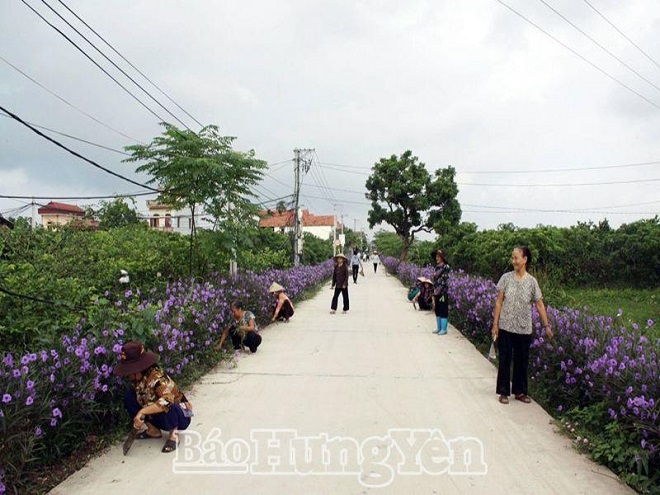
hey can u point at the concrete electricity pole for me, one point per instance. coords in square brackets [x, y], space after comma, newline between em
[299, 157]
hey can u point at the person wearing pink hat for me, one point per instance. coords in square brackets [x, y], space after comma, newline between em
[153, 401]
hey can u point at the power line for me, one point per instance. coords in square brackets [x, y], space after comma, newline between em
[73, 137]
[541, 171]
[573, 184]
[574, 210]
[113, 196]
[622, 34]
[78, 155]
[37, 299]
[129, 63]
[602, 71]
[67, 102]
[599, 45]
[545, 171]
[94, 61]
[115, 65]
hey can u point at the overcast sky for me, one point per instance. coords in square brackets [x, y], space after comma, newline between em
[466, 83]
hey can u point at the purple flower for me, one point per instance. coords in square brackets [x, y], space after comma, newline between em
[57, 413]
[6, 398]
[38, 431]
[29, 401]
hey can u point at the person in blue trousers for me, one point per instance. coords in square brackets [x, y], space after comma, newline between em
[440, 290]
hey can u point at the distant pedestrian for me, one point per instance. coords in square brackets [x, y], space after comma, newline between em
[282, 306]
[441, 290]
[512, 325]
[340, 283]
[356, 264]
[375, 259]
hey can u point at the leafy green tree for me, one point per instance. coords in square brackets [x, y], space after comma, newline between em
[117, 213]
[414, 201]
[201, 171]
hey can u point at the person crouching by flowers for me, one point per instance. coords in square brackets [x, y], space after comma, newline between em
[512, 325]
[153, 401]
[242, 329]
[282, 306]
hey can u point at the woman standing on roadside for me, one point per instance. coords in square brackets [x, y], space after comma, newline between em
[340, 283]
[512, 325]
[441, 290]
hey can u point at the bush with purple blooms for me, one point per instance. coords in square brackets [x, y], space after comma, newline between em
[595, 371]
[52, 398]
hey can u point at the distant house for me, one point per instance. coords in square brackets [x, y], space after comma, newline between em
[321, 226]
[55, 214]
[6, 224]
[164, 217]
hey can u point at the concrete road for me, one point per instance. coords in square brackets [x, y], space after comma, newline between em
[366, 402]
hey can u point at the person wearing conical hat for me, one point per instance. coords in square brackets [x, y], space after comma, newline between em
[424, 297]
[283, 307]
[154, 401]
[340, 283]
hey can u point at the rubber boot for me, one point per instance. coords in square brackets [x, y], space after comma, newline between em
[438, 321]
[443, 326]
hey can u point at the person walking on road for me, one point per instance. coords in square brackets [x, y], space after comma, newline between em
[340, 283]
[441, 290]
[356, 264]
[512, 325]
[375, 259]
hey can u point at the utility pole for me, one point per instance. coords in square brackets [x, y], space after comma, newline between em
[299, 157]
[34, 215]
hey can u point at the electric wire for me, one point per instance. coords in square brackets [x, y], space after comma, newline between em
[74, 153]
[115, 65]
[63, 100]
[623, 34]
[113, 196]
[577, 54]
[94, 62]
[72, 137]
[129, 63]
[599, 45]
[38, 299]
[540, 171]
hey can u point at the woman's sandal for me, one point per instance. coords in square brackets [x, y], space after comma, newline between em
[169, 446]
[523, 398]
[143, 435]
[503, 399]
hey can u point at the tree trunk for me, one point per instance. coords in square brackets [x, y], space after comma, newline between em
[407, 241]
[192, 238]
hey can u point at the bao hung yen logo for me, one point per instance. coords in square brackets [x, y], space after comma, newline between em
[375, 460]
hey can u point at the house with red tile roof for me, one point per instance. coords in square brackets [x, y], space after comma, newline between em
[322, 226]
[57, 214]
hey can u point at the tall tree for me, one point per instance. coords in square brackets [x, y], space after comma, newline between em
[200, 171]
[404, 195]
[117, 213]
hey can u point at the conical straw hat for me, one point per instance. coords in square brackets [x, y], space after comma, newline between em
[275, 287]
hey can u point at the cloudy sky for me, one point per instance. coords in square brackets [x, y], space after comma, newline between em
[539, 132]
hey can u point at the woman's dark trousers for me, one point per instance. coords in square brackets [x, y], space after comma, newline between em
[335, 297]
[512, 347]
[356, 268]
[168, 421]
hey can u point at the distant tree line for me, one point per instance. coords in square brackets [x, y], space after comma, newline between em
[583, 255]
